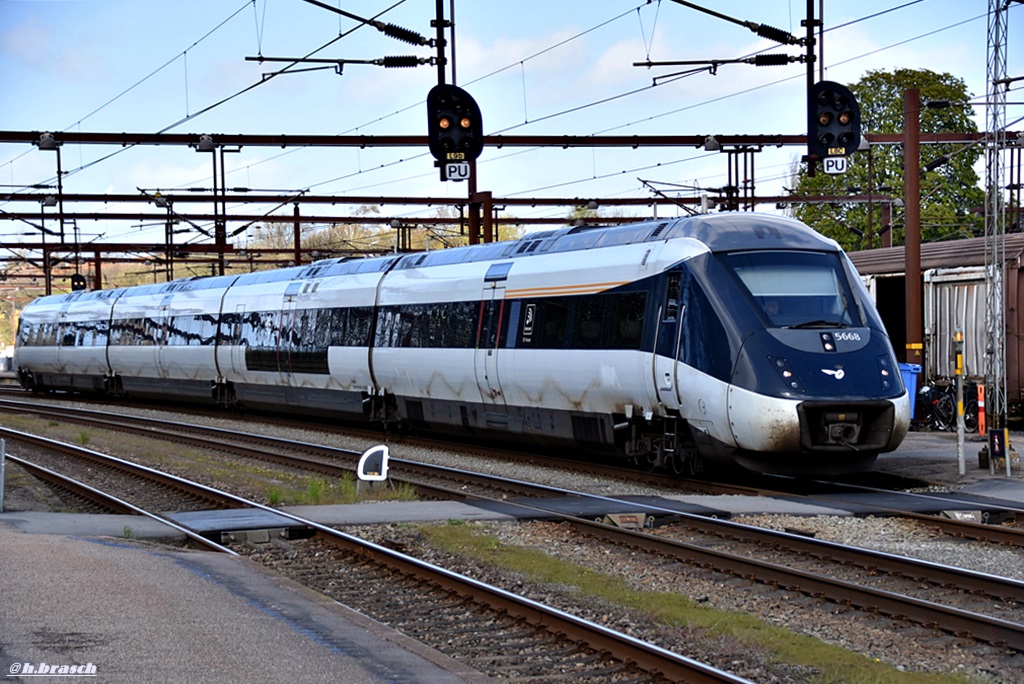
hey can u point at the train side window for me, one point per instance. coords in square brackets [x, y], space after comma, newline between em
[387, 320]
[704, 343]
[319, 333]
[206, 326]
[303, 325]
[551, 323]
[627, 320]
[258, 330]
[436, 317]
[247, 329]
[588, 322]
[176, 336]
[671, 310]
[87, 332]
[460, 322]
[445, 325]
[331, 324]
[66, 334]
[357, 332]
[118, 332]
[413, 326]
[102, 333]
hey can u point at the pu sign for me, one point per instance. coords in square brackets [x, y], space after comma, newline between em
[456, 171]
[835, 165]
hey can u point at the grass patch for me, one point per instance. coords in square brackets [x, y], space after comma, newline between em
[344, 490]
[274, 496]
[835, 665]
[315, 490]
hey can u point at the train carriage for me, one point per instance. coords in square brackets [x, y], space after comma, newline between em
[300, 337]
[163, 339]
[62, 341]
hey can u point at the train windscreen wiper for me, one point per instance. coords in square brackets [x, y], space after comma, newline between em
[820, 323]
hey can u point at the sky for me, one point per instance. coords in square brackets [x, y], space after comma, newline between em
[535, 68]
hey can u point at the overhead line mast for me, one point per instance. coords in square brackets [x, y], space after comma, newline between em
[995, 216]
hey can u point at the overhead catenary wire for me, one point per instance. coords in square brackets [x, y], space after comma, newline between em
[566, 111]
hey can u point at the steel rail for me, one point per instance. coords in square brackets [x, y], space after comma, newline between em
[953, 620]
[956, 527]
[866, 558]
[165, 479]
[214, 436]
[966, 529]
[110, 501]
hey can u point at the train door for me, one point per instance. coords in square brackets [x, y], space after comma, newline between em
[290, 330]
[161, 336]
[64, 336]
[665, 364]
[235, 342]
[492, 314]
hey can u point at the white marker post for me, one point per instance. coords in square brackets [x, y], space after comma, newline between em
[373, 465]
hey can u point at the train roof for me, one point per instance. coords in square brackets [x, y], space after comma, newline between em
[947, 254]
[726, 231]
[719, 232]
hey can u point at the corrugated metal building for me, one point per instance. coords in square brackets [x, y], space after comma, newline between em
[954, 293]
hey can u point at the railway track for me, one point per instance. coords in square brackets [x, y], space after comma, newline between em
[494, 630]
[907, 590]
[432, 481]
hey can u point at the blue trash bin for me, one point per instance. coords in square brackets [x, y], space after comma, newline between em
[910, 371]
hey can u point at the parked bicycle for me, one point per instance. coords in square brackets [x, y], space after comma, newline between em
[938, 405]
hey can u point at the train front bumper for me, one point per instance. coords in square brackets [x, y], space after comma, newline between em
[771, 424]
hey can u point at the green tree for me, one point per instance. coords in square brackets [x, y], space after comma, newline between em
[949, 194]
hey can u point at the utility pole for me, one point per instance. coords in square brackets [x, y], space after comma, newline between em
[912, 221]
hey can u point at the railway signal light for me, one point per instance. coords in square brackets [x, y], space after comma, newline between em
[833, 120]
[454, 126]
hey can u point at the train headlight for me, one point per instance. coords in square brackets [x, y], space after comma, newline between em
[786, 372]
[886, 373]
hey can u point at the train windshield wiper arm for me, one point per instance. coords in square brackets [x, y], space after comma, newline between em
[820, 323]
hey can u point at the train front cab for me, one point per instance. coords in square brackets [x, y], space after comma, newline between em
[62, 342]
[787, 368]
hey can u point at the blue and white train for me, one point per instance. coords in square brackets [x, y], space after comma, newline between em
[732, 338]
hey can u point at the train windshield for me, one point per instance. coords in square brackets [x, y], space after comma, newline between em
[796, 289]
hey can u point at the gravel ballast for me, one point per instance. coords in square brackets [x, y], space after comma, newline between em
[905, 648]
